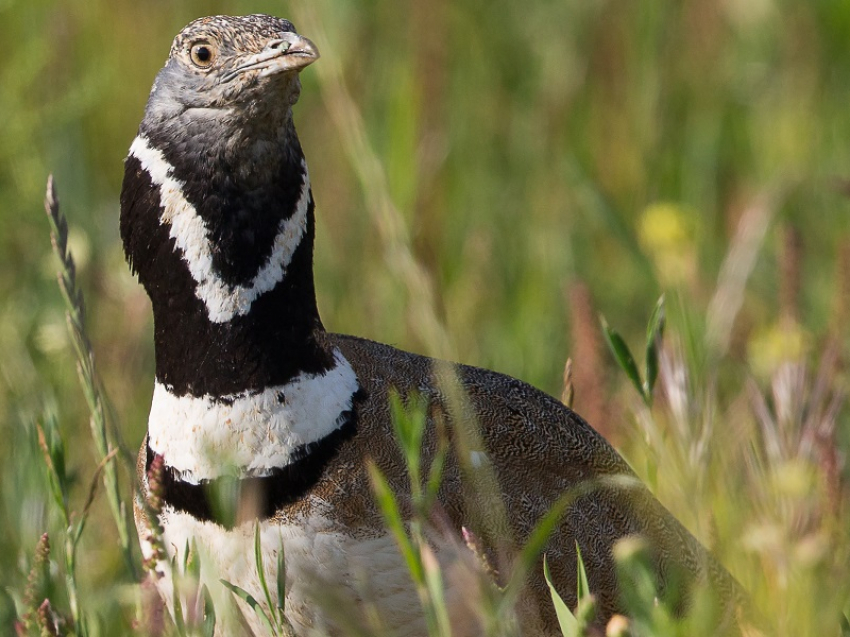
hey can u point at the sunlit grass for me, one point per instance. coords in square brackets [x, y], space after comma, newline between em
[789, 470]
[473, 167]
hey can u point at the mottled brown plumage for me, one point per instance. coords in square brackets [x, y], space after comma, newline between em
[539, 451]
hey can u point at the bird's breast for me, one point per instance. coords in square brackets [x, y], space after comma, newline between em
[332, 573]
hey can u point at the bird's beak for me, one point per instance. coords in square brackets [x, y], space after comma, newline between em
[290, 52]
[293, 53]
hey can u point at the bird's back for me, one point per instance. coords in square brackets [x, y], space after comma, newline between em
[539, 454]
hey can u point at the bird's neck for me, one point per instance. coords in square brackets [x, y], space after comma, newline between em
[247, 383]
[226, 258]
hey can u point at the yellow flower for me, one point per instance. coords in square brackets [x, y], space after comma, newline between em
[666, 233]
[775, 344]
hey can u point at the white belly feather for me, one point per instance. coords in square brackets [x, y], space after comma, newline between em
[331, 577]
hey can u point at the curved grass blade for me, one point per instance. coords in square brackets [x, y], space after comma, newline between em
[566, 620]
[208, 627]
[654, 335]
[623, 356]
[258, 562]
[246, 597]
[582, 586]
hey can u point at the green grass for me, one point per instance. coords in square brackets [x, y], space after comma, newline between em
[476, 166]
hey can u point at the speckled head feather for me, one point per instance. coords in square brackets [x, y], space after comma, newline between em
[240, 33]
[230, 62]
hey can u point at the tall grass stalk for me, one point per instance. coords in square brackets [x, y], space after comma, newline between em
[392, 228]
[89, 383]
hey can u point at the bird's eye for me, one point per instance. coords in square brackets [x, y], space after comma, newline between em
[202, 54]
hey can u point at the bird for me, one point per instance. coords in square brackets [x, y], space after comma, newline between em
[252, 393]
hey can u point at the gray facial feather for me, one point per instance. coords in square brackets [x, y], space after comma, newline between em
[246, 92]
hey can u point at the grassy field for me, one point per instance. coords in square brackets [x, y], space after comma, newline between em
[489, 177]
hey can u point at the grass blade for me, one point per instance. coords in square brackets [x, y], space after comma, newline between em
[281, 580]
[582, 586]
[566, 620]
[261, 572]
[53, 454]
[392, 515]
[246, 597]
[177, 614]
[623, 356]
[208, 627]
[654, 335]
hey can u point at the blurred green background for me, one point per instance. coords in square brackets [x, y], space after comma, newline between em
[550, 161]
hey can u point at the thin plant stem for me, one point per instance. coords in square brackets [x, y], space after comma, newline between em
[75, 316]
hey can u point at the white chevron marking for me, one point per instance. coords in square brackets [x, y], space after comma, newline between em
[223, 302]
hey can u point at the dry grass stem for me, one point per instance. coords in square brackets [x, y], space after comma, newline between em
[735, 271]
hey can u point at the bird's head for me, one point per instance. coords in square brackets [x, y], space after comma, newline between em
[235, 68]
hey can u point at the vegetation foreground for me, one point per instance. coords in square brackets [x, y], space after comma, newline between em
[696, 148]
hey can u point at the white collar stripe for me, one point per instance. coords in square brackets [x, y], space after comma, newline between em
[223, 301]
[249, 434]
